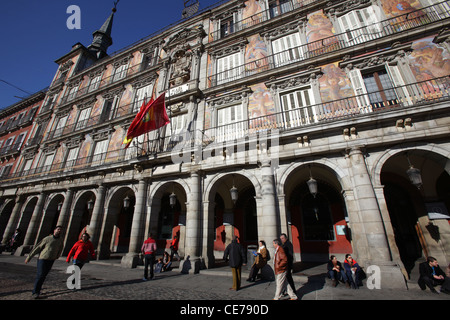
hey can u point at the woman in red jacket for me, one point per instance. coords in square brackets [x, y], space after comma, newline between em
[81, 250]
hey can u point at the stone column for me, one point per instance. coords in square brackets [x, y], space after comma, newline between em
[31, 233]
[267, 218]
[97, 217]
[369, 212]
[131, 259]
[208, 234]
[65, 210]
[191, 262]
[13, 220]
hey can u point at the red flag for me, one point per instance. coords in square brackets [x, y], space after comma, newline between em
[150, 117]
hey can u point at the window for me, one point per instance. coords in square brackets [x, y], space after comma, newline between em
[83, 118]
[120, 72]
[278, 7]
[175, 129]
[361, 25]
[226, 27]
[72, 93]
[4, 171]
[72, 157]
[48, 160]
[374, 89]
[229, 68]
[287, 49]
[60, 126]
[101, 147]
[19, 141]
[7, 145]
[297, 107]
[141, 94]
[109, 109]
[27, 166]
[230, 123]
[95, 83]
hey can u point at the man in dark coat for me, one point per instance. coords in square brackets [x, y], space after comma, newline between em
[432, 275]
[236, 257]
[289, 250]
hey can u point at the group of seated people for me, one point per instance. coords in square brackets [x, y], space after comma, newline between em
[350, 273]
[431, 275]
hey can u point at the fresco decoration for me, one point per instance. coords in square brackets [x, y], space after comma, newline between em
[84, 150]
[335, 91]
[256, 55]
[125, 103]
[428, 61]
[320, 34]
[252, 13]
[261, 104]
[96, 111]
[394, 8]
[72, 117]
[115, 145]
[135, 63]
[59, 158]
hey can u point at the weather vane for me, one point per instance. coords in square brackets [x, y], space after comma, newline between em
[115, 5]
[190, 8]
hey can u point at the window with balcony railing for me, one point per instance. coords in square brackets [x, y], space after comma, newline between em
[120, 72]
[83, 118]
[298, 107]
[230, 124]
[361, 25]
[287, 49]
[95, 83]
[278, 7]
[229, 68]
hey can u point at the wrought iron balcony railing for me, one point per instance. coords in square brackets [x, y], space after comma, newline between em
[424, 92]
[385, 28]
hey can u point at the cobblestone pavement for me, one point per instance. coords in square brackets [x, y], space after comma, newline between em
[104, 281]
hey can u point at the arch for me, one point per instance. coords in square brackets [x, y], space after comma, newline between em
[395, 150]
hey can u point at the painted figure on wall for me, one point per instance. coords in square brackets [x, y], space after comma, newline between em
[319, 27]
[394, 8]
[260, 105]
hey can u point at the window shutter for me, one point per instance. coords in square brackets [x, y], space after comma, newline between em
[360, 90]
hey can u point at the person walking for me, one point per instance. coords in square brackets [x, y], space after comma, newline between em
[280, 264]
[149, 250]
[49, 249]
[289, 251]
[260, 261]
[174, 248]
[81, 251]
[234, 253]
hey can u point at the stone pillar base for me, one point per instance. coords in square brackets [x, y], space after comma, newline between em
[191, 265]
[23, 250]
[130, 261]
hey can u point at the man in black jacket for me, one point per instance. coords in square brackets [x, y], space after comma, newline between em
[289, 250]
[432, 275]
[235, 254]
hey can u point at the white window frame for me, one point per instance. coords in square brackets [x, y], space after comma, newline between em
[83, 118]
[230, 123]
[120, 72]
[287, 49]
[60, 126]
[100, 149]
[141, 94]
[298, 107]
[229, 68]
[94, 83]
[27, 165]
[72, 93]
[361, 25]
[442, 8]
[72, 156]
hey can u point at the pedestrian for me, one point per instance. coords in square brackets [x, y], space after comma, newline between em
[174, 248]
[431, 275]
[352, 271]
[81, 251]
[235, 254]
[49, 249]
[280, 264]
[336, 272]
[260, 261]
[149, 250]
[289, 251]
[13, 243]
[167, 262]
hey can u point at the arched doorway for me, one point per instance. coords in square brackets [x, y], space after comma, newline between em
[416, 230]
[318, 226]
[5, 215]
[50, 217]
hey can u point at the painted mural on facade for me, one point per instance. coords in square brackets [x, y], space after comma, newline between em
[429, 60]
[319, 27]
[394, 8]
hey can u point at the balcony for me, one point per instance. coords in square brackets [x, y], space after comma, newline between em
[258, 18]
[382, 30]
[416, 94]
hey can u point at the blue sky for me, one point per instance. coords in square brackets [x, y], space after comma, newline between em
[34, 34]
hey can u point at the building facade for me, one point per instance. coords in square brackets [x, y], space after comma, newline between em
[325, 120]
